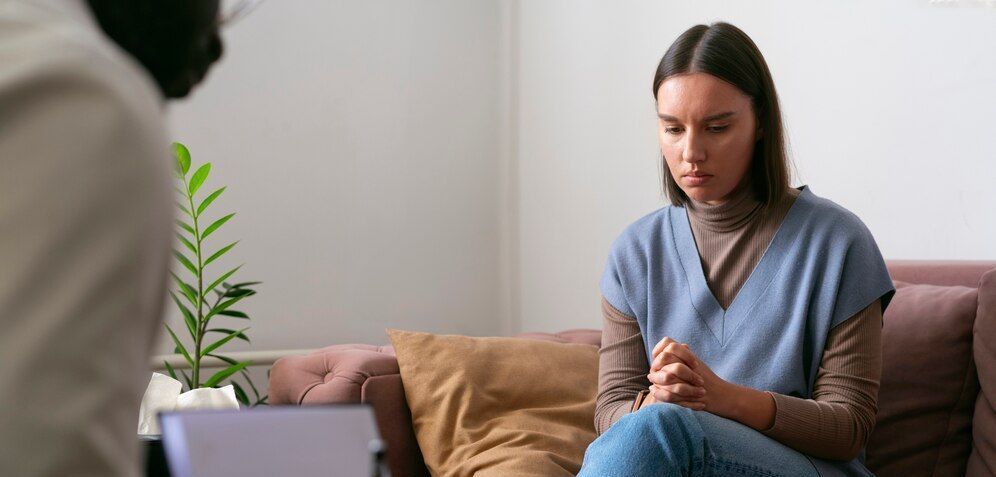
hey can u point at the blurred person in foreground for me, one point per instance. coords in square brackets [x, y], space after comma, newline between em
[86, 219]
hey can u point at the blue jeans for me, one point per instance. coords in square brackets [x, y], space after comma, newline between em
[666, 439]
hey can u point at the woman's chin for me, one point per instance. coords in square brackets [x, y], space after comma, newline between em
[701, 194]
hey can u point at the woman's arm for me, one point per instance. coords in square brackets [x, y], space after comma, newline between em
[622, 367]
[838, 420]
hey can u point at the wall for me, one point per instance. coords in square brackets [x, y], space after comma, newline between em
[360, 145]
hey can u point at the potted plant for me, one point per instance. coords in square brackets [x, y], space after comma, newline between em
[206, 299]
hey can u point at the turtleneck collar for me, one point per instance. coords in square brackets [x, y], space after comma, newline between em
[740, 208]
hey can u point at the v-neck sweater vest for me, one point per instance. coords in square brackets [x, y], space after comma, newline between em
[730, 240]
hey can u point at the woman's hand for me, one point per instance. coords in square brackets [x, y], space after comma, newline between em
[679, 377]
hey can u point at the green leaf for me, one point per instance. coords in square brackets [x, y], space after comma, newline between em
[224, 358]
[251, 385]
[219, 253]
[185, 288]
[234, 292]
[182, 155]
[245, 375]
[184, 209]
[185, 261]
[221, 307]
[255, 392]
[179, 345]
[186, 243]
[223, 374]
[220, 279]
[240, 394]
[217, 223]
[234, 314]
[169, 369]
[190, 295]
[186, 227]
[190, 382]
[198, 179]
[238, 334]
[188, 317]
[217, 344]
[242, 285]
[204, 205]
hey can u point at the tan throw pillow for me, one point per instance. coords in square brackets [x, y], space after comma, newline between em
[498, 406]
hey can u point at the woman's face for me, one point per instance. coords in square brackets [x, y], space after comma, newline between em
[707, 132]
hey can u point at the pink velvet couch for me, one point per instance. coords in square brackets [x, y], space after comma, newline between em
[937, 403]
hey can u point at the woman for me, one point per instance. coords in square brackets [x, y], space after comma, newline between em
[742, 323]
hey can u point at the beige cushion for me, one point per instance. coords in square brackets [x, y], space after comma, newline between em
[498, 406]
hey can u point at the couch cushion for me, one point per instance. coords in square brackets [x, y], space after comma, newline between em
[983, 459]
[929, 383]
[498, 406]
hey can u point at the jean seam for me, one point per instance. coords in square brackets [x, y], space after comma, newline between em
[742, 468]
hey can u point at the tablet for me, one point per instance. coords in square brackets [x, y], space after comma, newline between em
[338, 440]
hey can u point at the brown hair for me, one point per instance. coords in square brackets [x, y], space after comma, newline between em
[726, 52]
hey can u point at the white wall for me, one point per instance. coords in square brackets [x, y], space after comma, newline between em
[889, 107]
[360, 145]
[462, 167]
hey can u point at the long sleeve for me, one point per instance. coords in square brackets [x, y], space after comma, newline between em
[836, 422]
[622, 367]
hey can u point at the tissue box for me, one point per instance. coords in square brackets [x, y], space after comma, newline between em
[163, 394]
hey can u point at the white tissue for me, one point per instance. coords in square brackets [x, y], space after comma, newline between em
[163, 394]
[159, 396]
[208, 398]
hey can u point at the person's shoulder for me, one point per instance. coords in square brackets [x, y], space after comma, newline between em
[50, 50]
[639, 235]
[828, 215]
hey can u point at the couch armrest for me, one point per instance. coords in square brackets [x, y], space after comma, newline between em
[354, 373]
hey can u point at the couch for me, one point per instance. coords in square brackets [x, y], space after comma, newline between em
[937, 403]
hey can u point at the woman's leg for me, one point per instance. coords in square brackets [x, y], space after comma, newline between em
[669, 440]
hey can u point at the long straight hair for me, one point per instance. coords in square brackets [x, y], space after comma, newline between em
[726, 52]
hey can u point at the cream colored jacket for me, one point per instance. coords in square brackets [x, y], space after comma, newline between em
[85, 228]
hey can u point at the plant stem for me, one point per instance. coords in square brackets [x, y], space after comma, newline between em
[200, 294]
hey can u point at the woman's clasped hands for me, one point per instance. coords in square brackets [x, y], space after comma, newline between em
[678, 376]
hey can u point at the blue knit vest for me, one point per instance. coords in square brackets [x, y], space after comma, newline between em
[821, 267]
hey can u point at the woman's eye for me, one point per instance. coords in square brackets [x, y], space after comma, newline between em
[672, 130]
[716, 128]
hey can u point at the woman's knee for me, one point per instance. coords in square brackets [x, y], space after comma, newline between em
[667, 417]
[664, 436]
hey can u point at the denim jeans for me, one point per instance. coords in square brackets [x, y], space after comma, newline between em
[665, 439]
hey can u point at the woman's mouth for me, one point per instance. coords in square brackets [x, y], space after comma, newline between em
[696, 180]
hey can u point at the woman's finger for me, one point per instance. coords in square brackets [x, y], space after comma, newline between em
[663, 378]
[685, 390]
[661, 344]
[676, 393]
[673, 353]
[678, 373]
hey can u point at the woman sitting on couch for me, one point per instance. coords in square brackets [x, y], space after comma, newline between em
[760, 304]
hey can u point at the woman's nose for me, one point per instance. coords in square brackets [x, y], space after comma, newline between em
[694, 150]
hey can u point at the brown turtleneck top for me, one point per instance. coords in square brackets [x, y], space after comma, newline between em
[731, 238]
